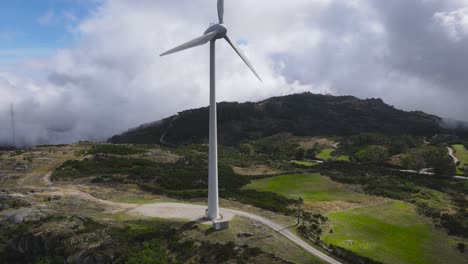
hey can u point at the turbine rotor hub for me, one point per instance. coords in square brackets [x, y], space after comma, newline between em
[220, 29]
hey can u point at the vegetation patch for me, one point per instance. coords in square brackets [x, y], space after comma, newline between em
[116, 149]
[373, 230]
[299, 114]
[325, 154]
[434, 157]
[80, 239]
[186, 179]
[443, 199]
[391, 233]
[331, 154]
[311, 187]
[462, 153]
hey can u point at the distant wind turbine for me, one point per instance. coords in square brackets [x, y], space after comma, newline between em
[213, 33]
[13, 139]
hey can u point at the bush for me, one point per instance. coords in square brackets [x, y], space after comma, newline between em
[300, 154]
[265, 200]
[246, 149]
[461, 247]
[312, 226]
[432, 157]
[115, 149]
[352, 257]
[151, 252]
[372, 154]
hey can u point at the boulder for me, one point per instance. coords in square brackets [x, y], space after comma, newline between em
[24, 214]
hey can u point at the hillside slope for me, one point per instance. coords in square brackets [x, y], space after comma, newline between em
[304, 114]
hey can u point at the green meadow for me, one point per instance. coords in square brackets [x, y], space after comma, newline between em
[312, 188]
[390, 232]
[326, 154]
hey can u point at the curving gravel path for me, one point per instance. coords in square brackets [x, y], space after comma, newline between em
[452, 154]
[182, 211]
[197, 213]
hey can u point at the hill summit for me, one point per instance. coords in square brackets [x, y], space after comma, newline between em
[303, 114]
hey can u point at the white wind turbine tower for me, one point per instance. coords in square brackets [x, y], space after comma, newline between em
[213, 33]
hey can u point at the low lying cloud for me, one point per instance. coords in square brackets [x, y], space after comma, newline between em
[413, 54]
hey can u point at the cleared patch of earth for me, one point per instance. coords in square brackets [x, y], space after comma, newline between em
[177, 210]
[256, 170]
[309, 143]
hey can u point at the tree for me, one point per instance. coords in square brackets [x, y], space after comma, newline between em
[419, 163]
[300, 154]
[431, 157]
[398, 147]
[413, 162]
[312, 225]
[300, 201]
[151, 252]
[310, 154]
[461, 247]
[407, 161]
[443, 165]
[372, 154]
[246, 149]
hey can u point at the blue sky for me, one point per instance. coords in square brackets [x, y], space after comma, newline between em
[35, 28]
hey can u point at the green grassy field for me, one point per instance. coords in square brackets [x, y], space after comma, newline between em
[312, 187]
[462, 153]
[391, 232]
[326, 154]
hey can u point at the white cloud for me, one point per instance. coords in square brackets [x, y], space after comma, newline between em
[454, 23]
[113, 78]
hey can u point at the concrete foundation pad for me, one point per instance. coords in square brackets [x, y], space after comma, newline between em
[179, 211]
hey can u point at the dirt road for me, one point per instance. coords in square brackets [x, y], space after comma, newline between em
[452, 154]
[182, 211]
[197, 212]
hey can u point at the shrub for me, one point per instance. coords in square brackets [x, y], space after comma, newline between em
[461, 247]
[246, 149]
[116, 149]
[372, 154]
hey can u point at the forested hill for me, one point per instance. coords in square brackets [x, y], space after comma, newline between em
[304, 114]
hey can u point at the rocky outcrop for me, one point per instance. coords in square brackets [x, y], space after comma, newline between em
[8, 201]
[85, 257]
[26, 214]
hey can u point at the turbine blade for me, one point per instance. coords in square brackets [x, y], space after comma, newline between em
[239, 52]
[193, 43]
[221, 11]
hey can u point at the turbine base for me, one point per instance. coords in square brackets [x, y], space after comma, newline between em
[220, 225]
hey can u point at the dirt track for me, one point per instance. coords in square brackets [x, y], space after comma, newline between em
[181, 211]
[197, 213]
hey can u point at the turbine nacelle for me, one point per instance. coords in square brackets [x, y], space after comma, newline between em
[214, 32]
[220, 29]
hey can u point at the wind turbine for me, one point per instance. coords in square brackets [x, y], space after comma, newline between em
[213, 33]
